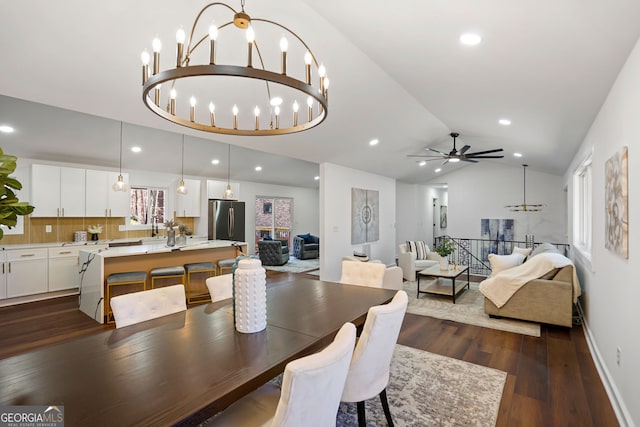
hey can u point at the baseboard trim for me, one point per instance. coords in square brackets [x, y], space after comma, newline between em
[623, 415]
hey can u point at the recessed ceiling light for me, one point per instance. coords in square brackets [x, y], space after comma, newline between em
[504, 122]
[258, 168]
[438, 170]
[470, 39]
[6, 129]
[374, 142]
[517, 154]
[316, 178]
[215, 162]
[422, 163]
[136, 149]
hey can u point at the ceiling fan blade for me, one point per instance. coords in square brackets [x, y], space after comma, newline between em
[436, 151]
[468, 160]
[464, 149]
[484, 157]
[424, 156]
[484, 152]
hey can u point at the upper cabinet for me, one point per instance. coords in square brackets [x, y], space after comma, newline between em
[215, 189]
[188, 205]
[57, 191]
[102, 200]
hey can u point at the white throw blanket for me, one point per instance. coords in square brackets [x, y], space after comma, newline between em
[506, 283]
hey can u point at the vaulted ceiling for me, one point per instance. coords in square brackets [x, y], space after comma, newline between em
[398, 73]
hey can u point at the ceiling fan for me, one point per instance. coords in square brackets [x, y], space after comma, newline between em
[456, 155]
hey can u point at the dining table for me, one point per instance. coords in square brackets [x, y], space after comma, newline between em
[183, 368]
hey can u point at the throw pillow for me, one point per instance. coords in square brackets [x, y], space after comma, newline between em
[419, 248]
[306, 237]
[267, 238]
[503, 262]
[523, 251]
[543, 248]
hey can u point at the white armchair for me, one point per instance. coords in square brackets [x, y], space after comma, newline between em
[137, 307]
[220, 287]
[409, 263]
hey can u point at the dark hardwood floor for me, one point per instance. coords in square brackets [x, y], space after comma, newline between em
[551, 380]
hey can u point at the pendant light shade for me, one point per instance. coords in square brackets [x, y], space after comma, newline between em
[228, 194]
[181, 188]
[120, 185]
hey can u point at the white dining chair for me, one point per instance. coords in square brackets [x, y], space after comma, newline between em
[310, 392]
[362, 273]
[137, 307]
[220, 287]
[370, 365]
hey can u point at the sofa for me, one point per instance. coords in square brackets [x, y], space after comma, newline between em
[306, 246]
[273, 252]
[410, 264]
[544, 289]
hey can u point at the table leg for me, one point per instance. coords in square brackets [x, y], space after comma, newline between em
[468, 279]
[453, 287]
[418, 292]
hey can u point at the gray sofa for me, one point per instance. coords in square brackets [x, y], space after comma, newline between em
[273, 252]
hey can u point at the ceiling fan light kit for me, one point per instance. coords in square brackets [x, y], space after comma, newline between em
[524, 207]
[278, 84]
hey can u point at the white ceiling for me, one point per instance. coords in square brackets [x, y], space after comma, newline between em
[398, 73]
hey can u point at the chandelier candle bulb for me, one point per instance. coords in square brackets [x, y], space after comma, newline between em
[284, 45]
[257, 113]
[192, 110]
[295, 113]
[213, 35]
[235, 117]
[180, 36]
[145, 65]
[211, 112]
[157, 95]
[307, 62]
[173, 101]
[277, 111]
[310, 105]
[157, 45]
[251, 35]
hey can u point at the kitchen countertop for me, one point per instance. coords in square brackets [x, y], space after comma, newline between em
[145, 240]
[155, 248]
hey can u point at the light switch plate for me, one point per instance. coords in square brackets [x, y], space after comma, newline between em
[47, 229]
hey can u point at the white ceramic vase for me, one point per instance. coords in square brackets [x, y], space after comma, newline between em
[250, 296]
[444, 263]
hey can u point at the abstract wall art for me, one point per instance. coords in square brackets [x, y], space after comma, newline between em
[365, 221]
[616, 237]
[443, 216]
[495, 230]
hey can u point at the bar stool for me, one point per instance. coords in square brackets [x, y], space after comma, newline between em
[131, 278]
[167, 273]
[196, 268]
[226, 264]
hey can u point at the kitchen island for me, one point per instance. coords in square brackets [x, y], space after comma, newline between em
[97, 265]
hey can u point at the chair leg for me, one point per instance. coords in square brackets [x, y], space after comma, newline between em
[385, 407]
[362, 421]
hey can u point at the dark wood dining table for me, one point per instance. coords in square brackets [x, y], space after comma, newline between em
[183, 368]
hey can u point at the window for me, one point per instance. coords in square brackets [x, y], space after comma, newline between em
[582, 208]
[273, 218]
[145, 204]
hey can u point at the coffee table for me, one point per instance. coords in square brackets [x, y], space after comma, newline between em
[437, 286]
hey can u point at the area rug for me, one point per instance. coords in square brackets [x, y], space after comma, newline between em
[469, 309]
[426, 389]
[296, 265]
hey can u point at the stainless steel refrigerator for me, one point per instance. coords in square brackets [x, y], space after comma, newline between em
[226, 220]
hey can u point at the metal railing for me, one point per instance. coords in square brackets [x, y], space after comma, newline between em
[475, 252]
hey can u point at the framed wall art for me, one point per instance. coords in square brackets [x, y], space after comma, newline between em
[365, 222]
[616, 228]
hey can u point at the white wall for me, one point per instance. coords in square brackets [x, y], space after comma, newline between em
[335, 217]
[483, 190]
[611, 289]
[414, 212]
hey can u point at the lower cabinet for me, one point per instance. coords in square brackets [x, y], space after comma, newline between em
[25, 272]
[64, 267]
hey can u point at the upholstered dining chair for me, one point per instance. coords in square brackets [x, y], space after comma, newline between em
[369, 370]
[310, 392]
[220, 287]
[362, 273]
[137, 307]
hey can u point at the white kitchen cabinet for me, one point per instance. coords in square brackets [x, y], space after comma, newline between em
[215, 189]
[3, 276]
[25, 272]
[64, 267]
[102, 200]
[57, 191]
[188, 205]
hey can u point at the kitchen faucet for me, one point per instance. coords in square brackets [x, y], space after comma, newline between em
[154, 226]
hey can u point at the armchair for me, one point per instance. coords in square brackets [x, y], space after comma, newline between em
[408, 262]
[306, 246]
[273, 252]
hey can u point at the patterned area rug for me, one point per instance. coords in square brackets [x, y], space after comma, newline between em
[469, 309]
[296, 265]
[427, 389]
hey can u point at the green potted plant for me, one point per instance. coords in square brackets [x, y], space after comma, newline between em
[10, 206]
[444, 249]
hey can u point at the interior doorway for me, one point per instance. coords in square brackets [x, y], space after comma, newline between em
[274, 218]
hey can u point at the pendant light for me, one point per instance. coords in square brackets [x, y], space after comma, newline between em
[524, 207]
[120, 185]
[228, 194]
[181, 188]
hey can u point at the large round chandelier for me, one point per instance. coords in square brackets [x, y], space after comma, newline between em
[241, 94]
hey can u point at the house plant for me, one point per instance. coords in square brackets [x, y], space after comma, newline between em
[10, 206]
[444, 249]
